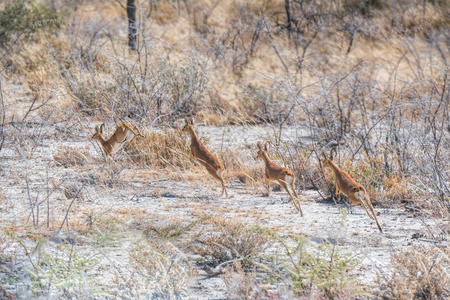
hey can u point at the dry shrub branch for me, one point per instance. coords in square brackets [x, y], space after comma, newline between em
[230, 240]
[419, 273]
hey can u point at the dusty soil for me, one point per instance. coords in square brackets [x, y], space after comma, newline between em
[155, 197]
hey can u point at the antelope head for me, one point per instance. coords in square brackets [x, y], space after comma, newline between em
[261, 150]
[189, 123]
[98, 135]
[328, 160]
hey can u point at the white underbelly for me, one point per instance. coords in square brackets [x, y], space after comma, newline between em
[129, 136]
[117, 147]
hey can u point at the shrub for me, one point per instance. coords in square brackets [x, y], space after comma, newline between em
[111, 176]
[364, 7]
[161, 91]
[64, 273]
[262, 106]
[10, 274]
[322, 269]
[419, 273]
[26, 15]
[230, 240]
[160, 269]
[171, 228]
[242, 284]
[70, 156]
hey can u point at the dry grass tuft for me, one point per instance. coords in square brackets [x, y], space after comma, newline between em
[172, 227]
[250, 176]
[109, 175]
[161, 150]
[230, 240]
[159, 268]
[67, 156]
[419, 274]
[240, 164]
[241, 284]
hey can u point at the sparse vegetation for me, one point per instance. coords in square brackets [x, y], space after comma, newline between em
[325, 271]
[419, 273]
[230, 240]
[64, 274]
[69, 156]
[242, 284]
[25, 17]
[368, 78]
[172, 229]
[167, 148]
[161, 270]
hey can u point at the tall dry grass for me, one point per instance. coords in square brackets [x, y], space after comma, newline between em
[161, 149]
[418, 273]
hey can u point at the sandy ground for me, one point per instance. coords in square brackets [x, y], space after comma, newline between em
[161, 198]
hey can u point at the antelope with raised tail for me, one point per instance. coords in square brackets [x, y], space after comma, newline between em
[284, 176]
[198, 150]
[355, 192]
[124, 133]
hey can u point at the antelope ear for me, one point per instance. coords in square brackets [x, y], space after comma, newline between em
[259, 145]
[192, 121]
[102, 127]
[186, 121]
[331, 153]
[266, 145]
[96, 129]
[324, 154]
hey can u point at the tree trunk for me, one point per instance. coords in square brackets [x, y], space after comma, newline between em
[132, 25]
[287, 6]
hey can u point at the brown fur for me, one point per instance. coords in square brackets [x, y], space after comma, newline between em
[274, 172]
[120, 136]
[348, 186]
[211, 162]
[357, 189]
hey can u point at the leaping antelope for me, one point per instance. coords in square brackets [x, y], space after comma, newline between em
[355, 192]
[211, 162]
[124, 133]
[274, 172]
